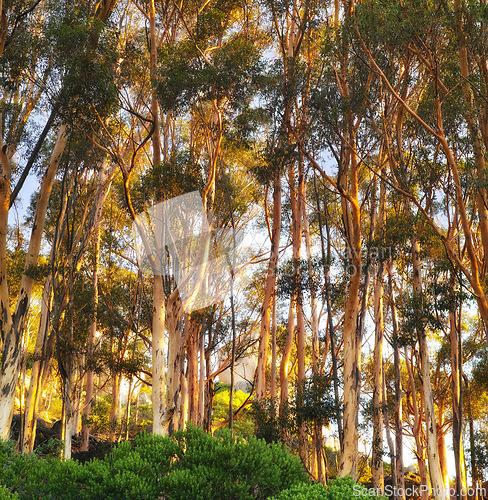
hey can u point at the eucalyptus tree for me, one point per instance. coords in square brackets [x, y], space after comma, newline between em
[207, 73]
[70, 84]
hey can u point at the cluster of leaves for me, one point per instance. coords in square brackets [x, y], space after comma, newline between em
[296, 277]
[343, 488]
[313, 404]
[243, 425]
[189, 465]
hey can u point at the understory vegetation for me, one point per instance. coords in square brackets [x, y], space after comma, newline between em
[189, 465]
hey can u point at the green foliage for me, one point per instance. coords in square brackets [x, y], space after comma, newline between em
[229, 467]
[338, 489]
[51, 448]
[99, 415]
[314, 404]
[480, 450]
[189, 465]
[6, 494]
[86, 55]
[243, 423]
[296, 277]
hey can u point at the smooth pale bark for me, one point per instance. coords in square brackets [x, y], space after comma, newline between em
[201, 379]
[327, 258]
[349, 449]
[192, 370]
[159, 311]
[475, 475]
[317, 439]
[457, 405]
[158, 357]
[12, 331]
[269, 289]
[378, 384]
[348, 185]
[5, 317]
[273, 353]
[296, 229]
[35, 385]
[417, 430]
[183, 403]
[85, 429]
[175, 340]
[285, 359]
[441, 441]
[67, 380]
[399, 473]
[297, 232]
[435, 472]
[379, 398]
[113, 420]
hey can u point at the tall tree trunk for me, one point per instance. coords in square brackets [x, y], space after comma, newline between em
[441, 443]
[297, 244]
[209, 386]
[174, 358]
[158, 357]
[417, 430]
[201, 377]
[12, 329]
[378, 373]
[113, 420]
[391, 445]
[474, 133]
[399, 473]
[475, 477]
[378, 381]
[273, 355]
[326, 260]
[85, 428]
[349, 449]
[35, 386]
[457, 404]
[294, 309]
[317, 438]
[269, 289]
[158, 318]
[67, 375]
[192, 370]
[435, 472]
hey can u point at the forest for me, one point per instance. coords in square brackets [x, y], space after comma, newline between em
[266, 216]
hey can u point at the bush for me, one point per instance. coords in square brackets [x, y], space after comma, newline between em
[227, 467]
[190, 465]
[338, 489]
[5, 494]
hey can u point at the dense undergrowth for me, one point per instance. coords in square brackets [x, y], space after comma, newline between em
[190, 465]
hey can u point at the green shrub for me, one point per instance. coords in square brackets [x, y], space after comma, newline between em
[231, 467]
[338, 489]
[191, 465]
[5, 494]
